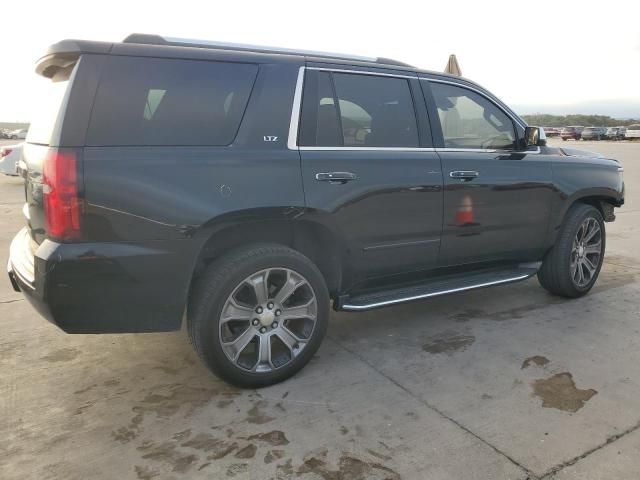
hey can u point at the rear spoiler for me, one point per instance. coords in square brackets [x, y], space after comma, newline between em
[62, 54]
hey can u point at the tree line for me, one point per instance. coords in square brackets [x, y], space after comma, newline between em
[546, 120]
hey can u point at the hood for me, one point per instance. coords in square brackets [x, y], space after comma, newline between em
[574, 152]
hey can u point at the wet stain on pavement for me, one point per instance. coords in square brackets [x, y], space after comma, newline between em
[62, 355]
[145, 473]
[348, 468]
[559, 391]
[168, 370]
[237, 469]
[168, 453]
[257, 416]
[468, 314]
[247, 452]
[448, 342]
[166, 401]
[275, 438]
[273, 455]
[211, 445]
[284, 470]
[537, 360]
[86, 389]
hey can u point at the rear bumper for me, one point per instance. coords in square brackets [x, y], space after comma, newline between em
[103, 287]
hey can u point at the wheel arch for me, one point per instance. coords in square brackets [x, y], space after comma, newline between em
[603, 199]
[288, 226]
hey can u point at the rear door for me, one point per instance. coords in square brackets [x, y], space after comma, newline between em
[497, 198]
[369, 169]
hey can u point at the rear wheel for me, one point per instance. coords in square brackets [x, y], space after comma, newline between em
[258, 315]
[572, 266]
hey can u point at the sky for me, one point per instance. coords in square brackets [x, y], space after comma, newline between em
[536, 56]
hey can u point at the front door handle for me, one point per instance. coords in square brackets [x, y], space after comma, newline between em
[336, 177]
[464, 174]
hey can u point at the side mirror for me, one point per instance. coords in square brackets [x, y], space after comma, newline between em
[534, 137]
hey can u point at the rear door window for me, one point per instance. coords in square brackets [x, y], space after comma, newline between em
[356, 110]
[153, 101]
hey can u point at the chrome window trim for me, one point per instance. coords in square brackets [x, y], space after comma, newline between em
[363, 72]
[364, 149]
[480, 92]
[292, 141]
[478, 150]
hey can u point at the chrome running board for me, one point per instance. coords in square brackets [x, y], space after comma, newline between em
[435, 288]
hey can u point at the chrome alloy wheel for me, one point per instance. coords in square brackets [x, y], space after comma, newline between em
[268, 320]
[586, 252]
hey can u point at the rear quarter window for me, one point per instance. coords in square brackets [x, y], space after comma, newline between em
[155, 101]
[50, 99]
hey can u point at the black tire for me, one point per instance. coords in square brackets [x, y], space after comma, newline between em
[216, 284]
[555, 273]
[564, 139]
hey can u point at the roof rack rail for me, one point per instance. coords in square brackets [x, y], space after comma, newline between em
[149, 39]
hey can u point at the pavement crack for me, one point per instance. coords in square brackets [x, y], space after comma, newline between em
[574, 460]
[530, 474]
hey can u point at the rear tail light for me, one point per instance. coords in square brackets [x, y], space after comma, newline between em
[5, 151]
[60, 195]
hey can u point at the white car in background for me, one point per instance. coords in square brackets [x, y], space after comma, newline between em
[21, 133]
[9, 157]
[633, 132]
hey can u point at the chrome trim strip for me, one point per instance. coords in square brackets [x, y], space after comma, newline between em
[363, 72]
[479, 150]
[461, 85]
[347, 306]
[292, 141]
[384, 149]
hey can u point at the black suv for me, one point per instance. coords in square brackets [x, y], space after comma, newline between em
[247, 188]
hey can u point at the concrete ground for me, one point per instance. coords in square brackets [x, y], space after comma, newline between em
[502, 383]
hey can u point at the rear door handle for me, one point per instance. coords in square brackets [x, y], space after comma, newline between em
[464, 174]
[336, 177]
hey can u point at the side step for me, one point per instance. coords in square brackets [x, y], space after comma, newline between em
[438, 287]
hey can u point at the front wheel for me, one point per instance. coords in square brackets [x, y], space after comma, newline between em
[572, 266]
[258, 314]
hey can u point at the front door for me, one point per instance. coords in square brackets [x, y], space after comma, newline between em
[368, 168]
[496, 198]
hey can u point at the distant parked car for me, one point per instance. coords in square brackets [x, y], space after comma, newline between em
[21, 133]
[573, 132]
[9, 157]
[593, 133]
[633, 132]
[4, 133]
[615, 133]
[551, 131]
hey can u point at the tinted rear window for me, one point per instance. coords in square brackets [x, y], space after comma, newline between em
[153, 101]
[50, 100]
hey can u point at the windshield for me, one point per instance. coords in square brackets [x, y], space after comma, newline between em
[634, 127]
[50, 101]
